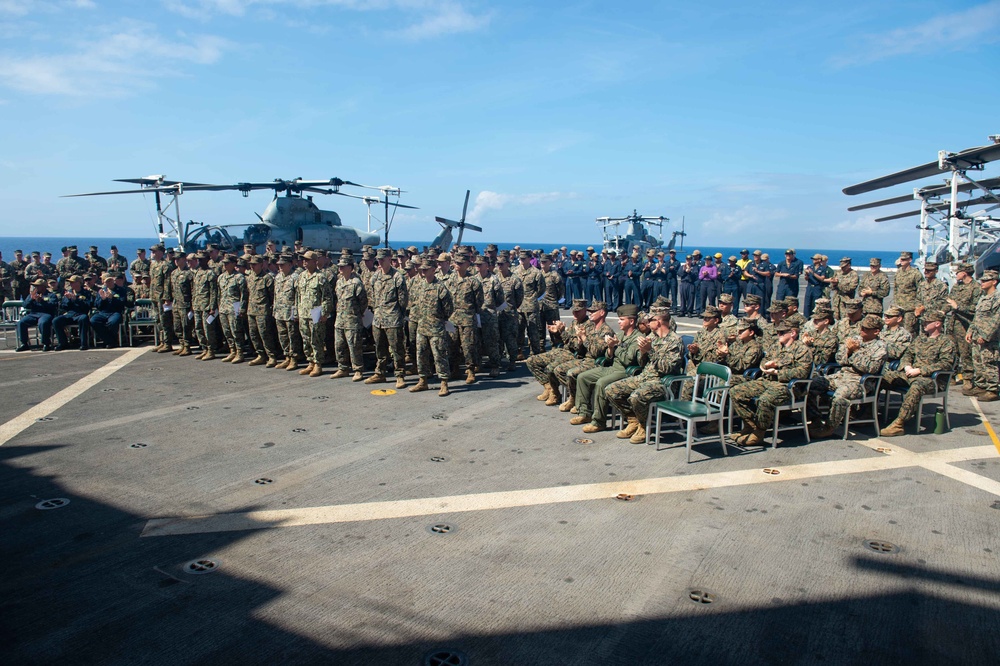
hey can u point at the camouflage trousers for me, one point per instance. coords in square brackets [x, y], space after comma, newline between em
[205, 331]
[411, 339]
[389, 341]
[262, 335]
[432, 353]
[845, 387]
[911, 323]
[566, 373]
[313, 339]
[530, 323]
[541, 365]
[916, 387]
[233, 329]
[464, 347]
[507, 322]
[348, 343]
[290, 339]
[958, 331]
[590, 397]
[164, 324]
[632, 396]
[769, 394]
[183, 326]
[489, 338]
[985, 360]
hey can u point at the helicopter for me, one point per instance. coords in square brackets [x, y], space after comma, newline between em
[286, 219]
[636, 237]
[443, 239]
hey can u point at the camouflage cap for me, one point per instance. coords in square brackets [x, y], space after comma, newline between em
[597, 305]
[444, 256]
[491, 247]
[212, 246]
[310, 255]
[229, 259]
[748, 324]
[872, 322]
[964, 268]
[156, 246]
[726, 298]
[36, 253]
[851, 304]
[932, 315]
[242, 263]
[784, 326]
[201, 254]
[790, 301]
[823, 303]
[383, 253]
[284, 259]
[192, 257]
[659, 312]
[822, 313]
[408, 265]
[39, 283]
[930, 265]
[661, 302]
[345, 260]
[894, 311]
[874, 261]
[628, 311]
[711, 312]
[751, 299]
[526, 254]
[546, 258]
[255, 259]
[988, 275]
[845, 260]
[777, 306]
[906, 255]
[93, 248]
[481, 261]
[74, 278]
[104, 278]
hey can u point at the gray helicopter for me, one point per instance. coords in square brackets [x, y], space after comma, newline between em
[444, 240]
[286, 219]
[636, 236]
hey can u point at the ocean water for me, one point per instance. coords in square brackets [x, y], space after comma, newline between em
[127, 248]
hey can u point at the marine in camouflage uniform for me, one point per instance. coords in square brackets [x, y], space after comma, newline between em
[593, 338]
[962, 303]
[863, 355]
[821, 339]
[844, 285]
[728, 322]
[849, 326]
[529, 313]
[895, 337]
[204, 304]
[905, 285]
[352, 301]
[554, 292]
[260, 314]
[541, 365]
[18, 284]
[414, 283]
[983, 335]
[433, 307]
[286, 314]
[138, 266]
[926, 355]
[467, 298]
[790, 360]
[591, 401]
[389, 300]
[661, 356]
[232, 290]
[179, 299]
[873, 288]
[489, 321]
[743, 353]
[507, 316]
[6, 275]
[312, 290]
[932, 294]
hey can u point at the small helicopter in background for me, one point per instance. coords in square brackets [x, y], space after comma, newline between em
[443, 239]
[636, 236]
[286, 219]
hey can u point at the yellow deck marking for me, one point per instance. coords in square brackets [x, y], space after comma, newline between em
[251, 520]
[989, 428]
[16, 425]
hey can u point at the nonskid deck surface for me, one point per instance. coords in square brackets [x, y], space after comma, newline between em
[337, 525]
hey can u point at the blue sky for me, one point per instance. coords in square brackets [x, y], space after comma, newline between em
[747, 119]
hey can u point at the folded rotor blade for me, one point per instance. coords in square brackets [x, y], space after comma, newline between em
[965, 159]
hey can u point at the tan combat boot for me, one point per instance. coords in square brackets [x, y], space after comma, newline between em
[545, 394]
[229, 358]
[209, 356]
[968, 388]
[987, 396]
[157, 349]
[580, 419]
[400, 382]
[271, 363]
[237, 358]
[317, 370]
[567, 405]
[292, 364]
[630, 428]
[260, 360]
[594, 427]
[421, 385]
[553, 399]
[748, 427]
[825, 430]
[306, 370]
[639, 436]
[756, 438]
[184, 351]
[894, 429]
[283, 364]
[470, 376]
[357, 376]
[375, 379]
[443, 391]
[166, 348]
[340, 373]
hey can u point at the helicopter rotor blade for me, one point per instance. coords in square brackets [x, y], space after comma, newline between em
[969, 158]
[465, 206]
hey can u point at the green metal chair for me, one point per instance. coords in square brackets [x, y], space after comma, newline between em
[708, 405]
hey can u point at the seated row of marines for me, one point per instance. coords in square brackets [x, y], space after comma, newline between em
[785, 349]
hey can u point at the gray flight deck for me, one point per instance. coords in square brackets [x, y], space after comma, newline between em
[534, 561]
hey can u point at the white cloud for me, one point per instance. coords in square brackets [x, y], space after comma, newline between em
[25, 7]
[431, 18]
[950, 32]
[112, 63]
[867, 226]
[743, 218]
[491, 201]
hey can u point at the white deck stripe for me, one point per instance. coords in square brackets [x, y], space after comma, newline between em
[18, 424]
[252, 520]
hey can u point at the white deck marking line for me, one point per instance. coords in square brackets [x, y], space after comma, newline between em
[18, 424]
[253, 520]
